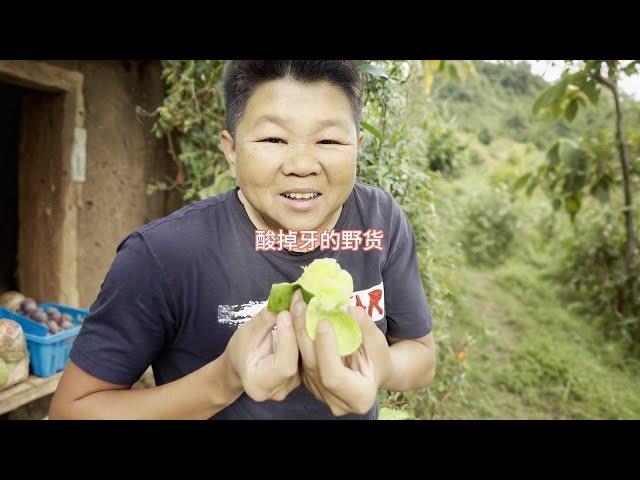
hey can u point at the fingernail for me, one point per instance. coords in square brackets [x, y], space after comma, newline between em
[298, 308]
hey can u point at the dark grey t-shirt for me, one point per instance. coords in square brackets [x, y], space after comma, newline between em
[179, 287]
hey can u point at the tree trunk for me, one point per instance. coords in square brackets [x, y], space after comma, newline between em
[630, 247]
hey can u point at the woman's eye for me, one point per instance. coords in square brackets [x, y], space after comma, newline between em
[273, 140]
[329, 142]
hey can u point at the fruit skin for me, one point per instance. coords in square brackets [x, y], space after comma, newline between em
[28, 305]
[66, 325]
[280, 296]
[39, 316]
[54, 314]
[53, 327]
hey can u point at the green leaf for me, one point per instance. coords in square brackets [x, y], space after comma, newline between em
[532, 186]
[550, 96]
[592, 91]
[521, 182]
[571, 154]
[632, 68]
[348, 333]
[571, 110]
[556, 204]
[572, 204]
[387, 413]
[552, 154]
[373, 70]
[371, 129]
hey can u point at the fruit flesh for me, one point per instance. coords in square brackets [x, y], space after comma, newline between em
[326, 288]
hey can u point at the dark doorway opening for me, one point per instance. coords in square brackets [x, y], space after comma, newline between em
[10, 112]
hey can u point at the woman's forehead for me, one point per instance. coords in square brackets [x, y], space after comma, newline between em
[288, 103]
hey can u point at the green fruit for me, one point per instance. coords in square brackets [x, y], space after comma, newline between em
[280, 296]
[4, 374]
[323, 278]
[347, 329]
[326, 288]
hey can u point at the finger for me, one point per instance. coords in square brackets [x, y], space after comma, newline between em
[312, 387]
[330, 367]
[262, 350]
[286, 354]
[359, 314]
[290, 385]
[362, 363]
[305, 344]
[356, 389]
[337, 406]
[262, 324]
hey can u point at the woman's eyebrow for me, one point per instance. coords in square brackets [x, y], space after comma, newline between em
[282, 122]
[270, 118]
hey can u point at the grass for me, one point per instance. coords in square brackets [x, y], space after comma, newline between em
[532, 358]
[528, 354]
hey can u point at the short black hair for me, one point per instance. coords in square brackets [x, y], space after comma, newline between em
[242, 77]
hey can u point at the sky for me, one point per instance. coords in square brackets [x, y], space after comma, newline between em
[544, 68]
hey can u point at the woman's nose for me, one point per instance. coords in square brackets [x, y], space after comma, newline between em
[301, 161]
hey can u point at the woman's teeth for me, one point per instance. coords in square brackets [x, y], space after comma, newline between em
[301, 196]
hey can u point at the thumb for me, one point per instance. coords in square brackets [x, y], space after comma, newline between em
[327, 356]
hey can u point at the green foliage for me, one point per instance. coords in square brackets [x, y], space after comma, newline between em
[400, 143]
[191, 118]
[592, 268]
[488, 227]
[485, 137]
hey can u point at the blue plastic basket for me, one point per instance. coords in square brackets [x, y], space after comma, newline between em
[48, 354]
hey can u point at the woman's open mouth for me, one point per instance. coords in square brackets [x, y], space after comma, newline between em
[301, 201]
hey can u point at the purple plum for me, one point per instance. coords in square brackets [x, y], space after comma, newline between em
[28, 305]
[53, 327]
[38, 315]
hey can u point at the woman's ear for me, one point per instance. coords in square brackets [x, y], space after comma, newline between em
[229, 148]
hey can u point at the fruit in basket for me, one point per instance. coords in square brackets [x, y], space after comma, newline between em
[66, 318]
[54, 314]
[66, 325]
[28, 305]
[39, 316]
[53, 327]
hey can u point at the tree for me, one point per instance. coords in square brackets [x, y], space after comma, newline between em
[571, 168]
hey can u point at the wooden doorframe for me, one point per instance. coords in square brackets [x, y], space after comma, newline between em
[48, 197]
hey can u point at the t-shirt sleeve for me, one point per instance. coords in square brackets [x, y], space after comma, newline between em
[408, 313]
[130, 322]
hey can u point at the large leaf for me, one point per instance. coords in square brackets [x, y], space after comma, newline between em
[571, 110]
[571, 154]
[550, 96]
